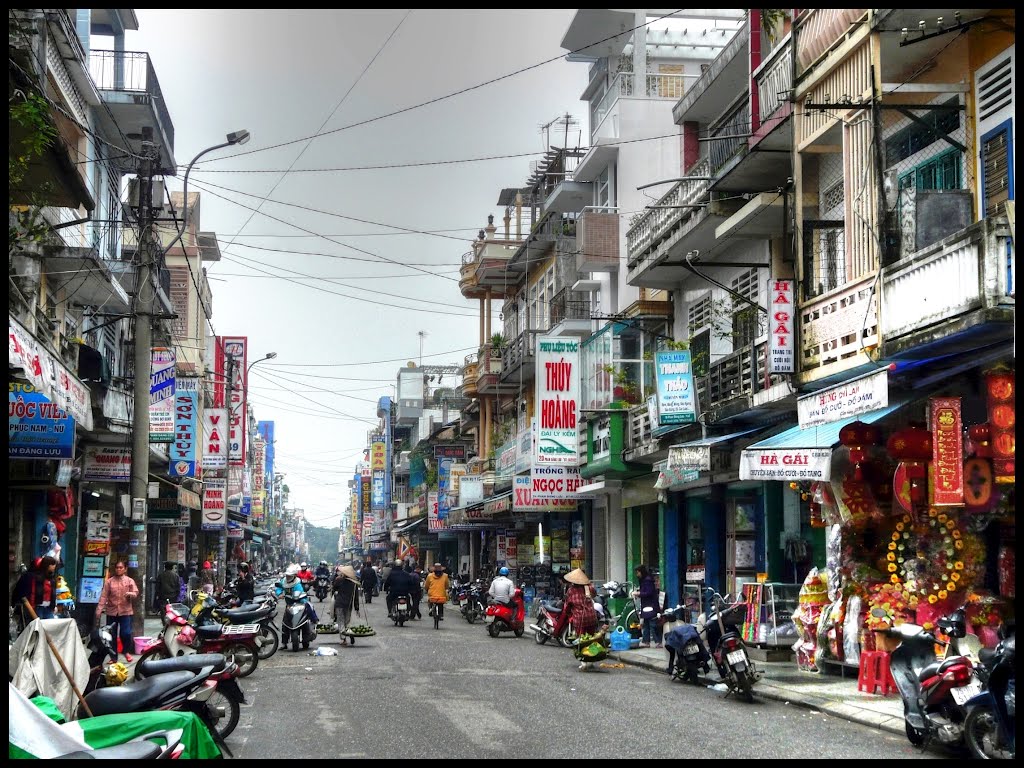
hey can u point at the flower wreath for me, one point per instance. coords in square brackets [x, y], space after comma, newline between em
[932, 558]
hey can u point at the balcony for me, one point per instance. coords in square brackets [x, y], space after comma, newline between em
[518, 358]
[598, 241]
[93, 282]
[958, 292]
[836, 328]
[556, 185]
[131, 94]
[470, 367]
[570, 314]
[607, 113]
[488, 371]
[819, 31]
[488, 270]
[713, 92]
[683, 220]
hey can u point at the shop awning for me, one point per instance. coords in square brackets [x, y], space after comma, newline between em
[408, 525]
[696, 454]
[823, 436]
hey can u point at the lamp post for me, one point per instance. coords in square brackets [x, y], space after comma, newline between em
[223, 555]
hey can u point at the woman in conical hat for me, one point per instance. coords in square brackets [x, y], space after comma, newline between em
[346, 597]
[579, 602]
[577, 577]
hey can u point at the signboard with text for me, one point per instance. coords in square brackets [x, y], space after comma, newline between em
[558, 401]
[182, 460]
[947, 451]
[852, 398]
[215, 438]
[781, 319]
[677, 395]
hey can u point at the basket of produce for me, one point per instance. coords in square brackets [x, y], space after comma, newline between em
[591, 648]
[327, 629]
[359, 630]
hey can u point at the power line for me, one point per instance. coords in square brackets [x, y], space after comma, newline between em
[403, 110]
[370, 362]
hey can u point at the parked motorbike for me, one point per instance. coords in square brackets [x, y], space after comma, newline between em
[553, 623]
[990, 727]
[182, 635]
[299, 622]
[507, 617]
[261, 613]
[729, 652]
[401, 610]
[687, 654]
[476, 602]
[203, 684]
[934, 691]
[321, 587]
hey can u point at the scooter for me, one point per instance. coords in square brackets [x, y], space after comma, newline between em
[507, 617]
[990, 728]
[401, 610]
[476, 605]
[553, 623]
[262, 613]
[729, 652]
[687, 654]
[299, 622]
[181, 636]
[320, 587]
[934, 691]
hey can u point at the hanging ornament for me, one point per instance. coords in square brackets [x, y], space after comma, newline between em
[912, 447]
[1002, 416]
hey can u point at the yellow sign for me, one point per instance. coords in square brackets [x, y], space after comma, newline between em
[762, 578]
[378, 458]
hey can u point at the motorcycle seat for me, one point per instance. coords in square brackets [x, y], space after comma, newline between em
[208, 631]
[136, 696]
[553, 605]
[244, 616]
[190, 662]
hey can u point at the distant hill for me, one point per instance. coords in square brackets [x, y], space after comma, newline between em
[323, 543]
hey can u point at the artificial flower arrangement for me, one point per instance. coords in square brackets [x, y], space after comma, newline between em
[889, 605]
[932, 558]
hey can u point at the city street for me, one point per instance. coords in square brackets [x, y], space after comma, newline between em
[415, 692]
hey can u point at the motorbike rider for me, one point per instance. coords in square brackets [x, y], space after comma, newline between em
[323, 570]
[416, 591]
[292, 585]
[305, 575]
[436, 587]
[397, 584]
[502, 587]
[368, 578]
[245, 584]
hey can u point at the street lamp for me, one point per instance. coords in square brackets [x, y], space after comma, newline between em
[268, 356]
[233, 138]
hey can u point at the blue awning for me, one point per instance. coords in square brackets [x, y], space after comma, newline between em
[823, 436]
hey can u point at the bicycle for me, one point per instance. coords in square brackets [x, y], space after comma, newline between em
[435, 614]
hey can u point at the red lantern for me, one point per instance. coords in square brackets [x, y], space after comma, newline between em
[912, 446]
[1000, 386]
[980, 436]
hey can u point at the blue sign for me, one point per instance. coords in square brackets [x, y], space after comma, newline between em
[37, 428]
[677, 395]
[266, 430]
[444, 498]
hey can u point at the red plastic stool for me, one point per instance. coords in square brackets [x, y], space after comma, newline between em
[874, 675]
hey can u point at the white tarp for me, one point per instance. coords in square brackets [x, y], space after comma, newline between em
[35, 671]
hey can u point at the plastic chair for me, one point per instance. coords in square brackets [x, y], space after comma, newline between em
[874, 675]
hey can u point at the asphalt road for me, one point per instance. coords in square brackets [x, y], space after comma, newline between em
[413, 692]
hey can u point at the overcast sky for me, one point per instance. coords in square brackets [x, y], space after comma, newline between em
[288, 75]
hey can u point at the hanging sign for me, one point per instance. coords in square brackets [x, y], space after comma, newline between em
[781, 314]
[947, 451]
[852, 398]
[786, 464]
[677, 395]
[215, 510]
[182, 461]
[215, 438]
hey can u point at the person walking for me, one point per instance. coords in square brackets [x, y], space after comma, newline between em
[206, 577]
[116, 600]
[346, 597]
[650, 607]
[168, 586]
[39, 585]
[579, 601]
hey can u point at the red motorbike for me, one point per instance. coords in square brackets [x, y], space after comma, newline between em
[507, 617]
[181, 635]
[553, 622]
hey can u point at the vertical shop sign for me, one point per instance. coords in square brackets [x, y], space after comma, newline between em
[677, 396]
[558, 399]
[215, 438]
[781, 319]
[183, 452]
[215, 509]
[947, 451]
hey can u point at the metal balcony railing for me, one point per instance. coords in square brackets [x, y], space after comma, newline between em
[732, 131]
[570, 305]
[775, 79]
[665, 214]
[131, 72]
[656, 86]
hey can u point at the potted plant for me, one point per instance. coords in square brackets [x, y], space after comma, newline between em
[497, 344]
[624, 389]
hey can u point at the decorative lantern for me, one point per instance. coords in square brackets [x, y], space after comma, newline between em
[857, 436]
[1002, 416]
[912, 447]
[981, 440]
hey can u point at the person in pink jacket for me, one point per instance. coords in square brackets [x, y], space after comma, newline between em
[117, 600]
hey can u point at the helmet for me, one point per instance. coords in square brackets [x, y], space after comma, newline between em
[323, 562]
[292, 570]
[503, 571]
[115, 673]
[398, 562]
[207, 565]
[304, 565]
[187, 635]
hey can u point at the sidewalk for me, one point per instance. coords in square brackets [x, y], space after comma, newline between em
[783, 681]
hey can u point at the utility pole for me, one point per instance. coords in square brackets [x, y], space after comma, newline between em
[145, 296]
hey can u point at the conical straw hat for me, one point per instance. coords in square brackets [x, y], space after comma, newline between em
[577, 577]
[349, 572]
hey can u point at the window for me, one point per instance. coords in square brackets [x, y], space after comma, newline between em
[604, 196]
[744, 316]
[922, 133]
[942, 172]
[995, 169]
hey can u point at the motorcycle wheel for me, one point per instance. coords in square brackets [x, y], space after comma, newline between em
[981, 732]
[540, 637]
[519, 632]
[744, 686]
[158, 652]
[268, 642]
[492, 630]
[295, 642]
[231, 711]
[568, 637]
[915, 736]
[244, 655]
[470, 615]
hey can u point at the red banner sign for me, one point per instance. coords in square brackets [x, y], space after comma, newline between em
[947, 451]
